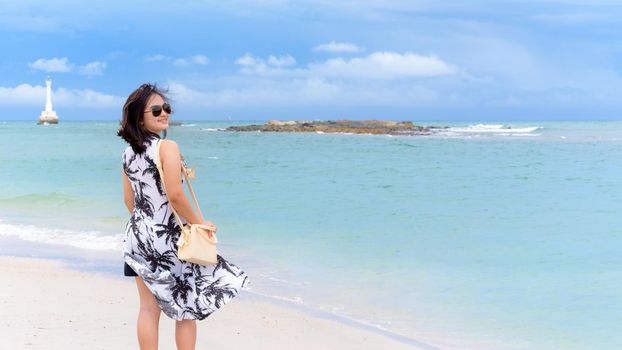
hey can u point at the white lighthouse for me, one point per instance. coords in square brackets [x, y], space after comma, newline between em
[48, 116]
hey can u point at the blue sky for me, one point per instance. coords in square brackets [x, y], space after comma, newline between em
[280, 59]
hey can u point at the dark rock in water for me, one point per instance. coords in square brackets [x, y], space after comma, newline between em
[174, 123]
[341, 126]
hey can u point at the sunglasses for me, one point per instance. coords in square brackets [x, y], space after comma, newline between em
[156, 110]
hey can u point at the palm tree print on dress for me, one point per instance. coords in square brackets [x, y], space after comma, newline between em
[129, 172]
[183, 290]
[165, 206]
[224, 264]
[142, 201]
[170, 231]
[152, 169]
[220, 291]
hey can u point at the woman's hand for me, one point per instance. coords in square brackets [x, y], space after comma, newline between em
[211, 224]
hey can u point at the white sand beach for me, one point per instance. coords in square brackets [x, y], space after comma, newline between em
[45, 305]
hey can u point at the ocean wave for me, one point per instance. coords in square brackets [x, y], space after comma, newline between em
[213, 129]
[295, 300]
[92, 240]
[520, 135]
[338, 313]
[283, 281]
[492, 128]
[58, 199]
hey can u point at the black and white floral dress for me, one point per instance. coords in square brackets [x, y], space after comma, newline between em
[183, 290]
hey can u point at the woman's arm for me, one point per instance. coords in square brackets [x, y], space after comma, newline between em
[171, 164]
[128, 192]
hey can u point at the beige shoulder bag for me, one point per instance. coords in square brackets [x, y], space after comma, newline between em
[197, 242]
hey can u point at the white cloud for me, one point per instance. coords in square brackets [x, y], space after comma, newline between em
[247, 60]
[282, 93]
[383, 65]
[252, 65]
[34, 95]
[281, 61]
[277, 82]
[377, 66]
[302, 92]
[573, 18]
[23, 94]
[334, 46]
[179, 61]
[60, 65]
[272, 66]
[156, 58]
[86, 98]
[199, 59]
[30, 23]
[93, 68]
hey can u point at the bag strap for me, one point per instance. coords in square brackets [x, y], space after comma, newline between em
[185, 174]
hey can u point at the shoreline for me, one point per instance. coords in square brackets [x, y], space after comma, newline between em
[61, 292]
[105, 262]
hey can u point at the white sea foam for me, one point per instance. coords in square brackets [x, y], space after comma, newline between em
[486, 130]
[213, 129]
[493, 128]
[80, 239]
[295, 300]
[521, 135]
[339, 311]
[283, 281]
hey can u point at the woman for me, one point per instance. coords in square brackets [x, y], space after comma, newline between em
[183, 291]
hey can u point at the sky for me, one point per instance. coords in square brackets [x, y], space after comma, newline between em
[316, 59]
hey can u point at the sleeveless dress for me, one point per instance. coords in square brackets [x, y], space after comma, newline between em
[182, 289]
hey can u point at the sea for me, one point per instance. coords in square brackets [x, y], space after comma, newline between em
[479, 235]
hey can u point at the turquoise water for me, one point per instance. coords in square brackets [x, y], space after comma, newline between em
[474, 237]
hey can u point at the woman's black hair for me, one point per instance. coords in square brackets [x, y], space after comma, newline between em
[133, 112]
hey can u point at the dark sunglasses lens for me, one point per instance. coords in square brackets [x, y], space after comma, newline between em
[156, 110]
[167, 108]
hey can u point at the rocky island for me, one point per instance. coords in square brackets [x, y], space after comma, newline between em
[338, 126]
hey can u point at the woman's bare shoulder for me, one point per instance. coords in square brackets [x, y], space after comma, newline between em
[169, 146]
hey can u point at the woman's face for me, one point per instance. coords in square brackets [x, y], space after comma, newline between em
[152, 123]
